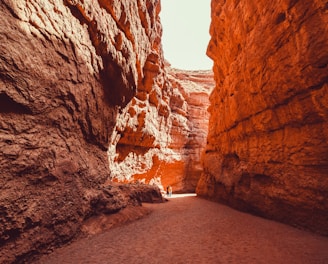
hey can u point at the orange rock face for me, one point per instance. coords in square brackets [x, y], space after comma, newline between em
[66, 69]
[267, 149]
[194, 87]
[161, 134]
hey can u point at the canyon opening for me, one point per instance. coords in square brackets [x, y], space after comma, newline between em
[186, 33]
[95, 124]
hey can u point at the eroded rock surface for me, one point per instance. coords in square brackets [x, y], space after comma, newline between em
[162, 132]
[267, 149]
[194, 87]
[66, 69]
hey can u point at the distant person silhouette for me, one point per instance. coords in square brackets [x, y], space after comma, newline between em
[169, 191]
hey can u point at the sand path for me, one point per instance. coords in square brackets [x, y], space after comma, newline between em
[194, 230]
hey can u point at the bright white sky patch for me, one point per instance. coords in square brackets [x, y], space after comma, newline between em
[186, 33]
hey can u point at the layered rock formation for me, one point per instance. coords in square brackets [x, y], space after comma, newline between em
[66, 70]
[267, 149]
[191, 105]
[162, 132]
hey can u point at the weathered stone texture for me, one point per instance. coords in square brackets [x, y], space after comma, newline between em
[161, 134]
[267, 149]
[195, 87]
[66, 68]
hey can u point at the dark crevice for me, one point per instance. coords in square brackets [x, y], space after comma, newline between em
[263, 179]
[12, 12]
[325, 7]
[119, 87]
[120, 22]
[292, 3]
[245, 180]
[123, 150]
[76, 13]
[10, 235]
[280, 18]
[8, 105]
[63, 56]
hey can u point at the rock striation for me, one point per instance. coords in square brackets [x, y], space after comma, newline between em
[194, 88]
[161, 134]
[67, 70]
[267, 150]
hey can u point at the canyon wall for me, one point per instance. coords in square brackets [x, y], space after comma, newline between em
[161, 134]
[68, 69]
[267, 149]
[192, 104]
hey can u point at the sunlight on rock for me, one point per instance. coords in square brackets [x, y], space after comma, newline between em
[94, 120]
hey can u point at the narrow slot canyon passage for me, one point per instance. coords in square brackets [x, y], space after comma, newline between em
[96, 124]
[193, 230]
[142, 149]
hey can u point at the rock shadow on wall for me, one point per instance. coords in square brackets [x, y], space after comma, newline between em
[8, 105]
[123, 150]
[119, 90]
[119, 84]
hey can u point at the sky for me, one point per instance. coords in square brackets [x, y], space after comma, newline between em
[186, 33]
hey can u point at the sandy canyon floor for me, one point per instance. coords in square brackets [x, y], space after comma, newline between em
[188, 229]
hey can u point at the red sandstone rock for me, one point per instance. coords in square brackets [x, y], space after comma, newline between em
[268, 134]
[195, 87]
[66, 68]
[161, 135]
